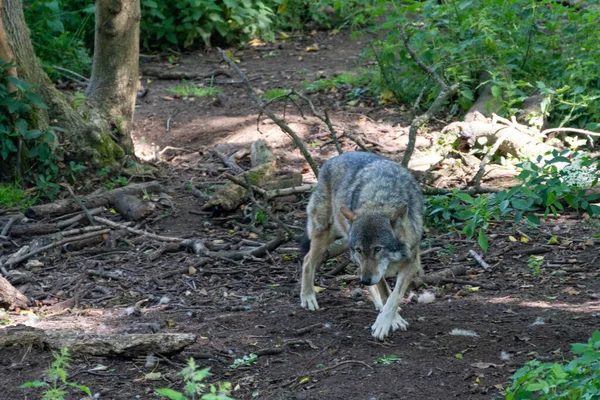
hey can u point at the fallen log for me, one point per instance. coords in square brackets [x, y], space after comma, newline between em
[11, 297]
[118, 344]
[231, 195]
[69, 205]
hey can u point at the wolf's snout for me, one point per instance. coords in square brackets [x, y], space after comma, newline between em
[366, 280]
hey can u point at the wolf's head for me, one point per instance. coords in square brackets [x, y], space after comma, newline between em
[376, 239]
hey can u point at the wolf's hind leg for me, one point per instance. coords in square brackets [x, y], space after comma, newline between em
[319, 242]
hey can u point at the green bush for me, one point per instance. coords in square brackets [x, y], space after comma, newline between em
[324, 14]
[525, 45]
[185, 23]
[60, 30]
[559, 180]
[30, 148]
[578, 379]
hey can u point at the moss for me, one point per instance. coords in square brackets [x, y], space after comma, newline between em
[13, 196]
[108, 152]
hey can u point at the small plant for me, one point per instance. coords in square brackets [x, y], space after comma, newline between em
[577, 379]
[535, 264]
[58, 387]
[194, 388]
[11, 196]
[116, 181]
[186, 90]
[246, 361]
[387, 360]
[273, 93]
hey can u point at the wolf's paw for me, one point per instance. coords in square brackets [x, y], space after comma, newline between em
[309, 301]
[384, 325]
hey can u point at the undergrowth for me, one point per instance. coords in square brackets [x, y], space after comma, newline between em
[577, 379]
[528, 47]
[25, 154]
[550, 185]
[194, 388]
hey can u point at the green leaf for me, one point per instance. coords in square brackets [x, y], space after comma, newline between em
[496, 91]
[578, 348]
[465, 197]
[21, 126]
[534, 219]
[34, 384]
[171, 394]
[482, 240]
[56, 25]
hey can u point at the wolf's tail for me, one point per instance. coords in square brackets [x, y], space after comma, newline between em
[304, 244]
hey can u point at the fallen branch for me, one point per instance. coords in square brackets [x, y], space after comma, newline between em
[436, 278]
[197, 246]
[437, 104]
[324, 118]
[67, 206]
[358, 142]
[10, 297]
[228, 162]
[259, 103]
[24, 257]
[486, 159]
[479, 259]
[122, 344]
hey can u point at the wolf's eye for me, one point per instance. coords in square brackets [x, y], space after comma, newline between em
[358, 250]
[376, 249]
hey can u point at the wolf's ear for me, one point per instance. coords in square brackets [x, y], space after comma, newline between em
[399, 214]
[350, 216]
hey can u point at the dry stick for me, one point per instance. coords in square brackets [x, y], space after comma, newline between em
[476, 181]
[357, 141]
[259, 103]
[56, 244]
[248, 186]
[574, 130]
[228, 163]
[324, 118]
[442, 96]
[479, 260]
[6, 228]
[80, 204]
[79, 217]
[473, 190]
[196, 245]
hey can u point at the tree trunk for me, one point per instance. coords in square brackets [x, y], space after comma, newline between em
[114, 81]
[86, 137]
[6, 52]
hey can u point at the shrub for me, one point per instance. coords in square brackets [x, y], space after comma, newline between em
[60, 30]
[185, 23]
[546, 46]
[576, 380]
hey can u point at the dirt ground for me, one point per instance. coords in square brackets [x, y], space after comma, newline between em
[253, 307]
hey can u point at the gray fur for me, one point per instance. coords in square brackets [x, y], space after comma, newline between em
[377, 205]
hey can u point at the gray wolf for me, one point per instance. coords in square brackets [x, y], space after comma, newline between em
[377, 205]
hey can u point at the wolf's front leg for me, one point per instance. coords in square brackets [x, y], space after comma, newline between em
[389, 318]
[315, 257]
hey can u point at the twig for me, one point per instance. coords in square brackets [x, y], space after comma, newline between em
[473, 190]
[324, 118]
[197, 246]
[240, 182]
[259, 103]
[79, 217]
[73, 73]
[80, 204]
[357, 141]
[479, 260]
[476, 181]
[427, 69]
[6, 228]
[267, 211]
[442, 96]
[228, 162]
[56, 244]
[574, 130]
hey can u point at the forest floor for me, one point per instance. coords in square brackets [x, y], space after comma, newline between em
[253, 307]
